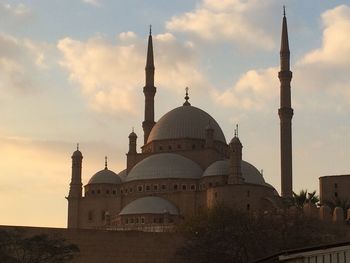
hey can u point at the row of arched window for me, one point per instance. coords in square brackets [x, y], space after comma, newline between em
[158, 188]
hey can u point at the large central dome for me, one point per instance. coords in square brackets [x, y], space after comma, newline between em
[185, 122]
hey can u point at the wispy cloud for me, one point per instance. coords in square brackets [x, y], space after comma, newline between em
[93, 2]
[111, 76]
[20, 59]
[313, 73]
[233, 20]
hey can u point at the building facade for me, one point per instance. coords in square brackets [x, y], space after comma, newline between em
[335, 189]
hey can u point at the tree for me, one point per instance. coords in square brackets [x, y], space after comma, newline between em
[338, 202]
[16, 246]
[304, 197]
[225, 235]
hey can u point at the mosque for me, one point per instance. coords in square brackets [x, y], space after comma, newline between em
[185, 165]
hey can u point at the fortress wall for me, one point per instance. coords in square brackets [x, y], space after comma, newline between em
[99, 246]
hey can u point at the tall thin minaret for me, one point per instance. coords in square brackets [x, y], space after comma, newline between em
[149, 90]
[285, 113]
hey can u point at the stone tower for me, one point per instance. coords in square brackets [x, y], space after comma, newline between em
[235, 148]
[149, 90]
[285, 113]
[131, 156]
[75, 190]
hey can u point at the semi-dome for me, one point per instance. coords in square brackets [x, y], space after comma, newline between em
[249, 172]
[105, 176]
[185, 122]
[149, 205]
[165, 166]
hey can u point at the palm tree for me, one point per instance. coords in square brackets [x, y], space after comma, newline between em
[304, 197]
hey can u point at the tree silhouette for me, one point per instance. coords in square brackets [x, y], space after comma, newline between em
[304, 197]
[16, 246]
[225, 235]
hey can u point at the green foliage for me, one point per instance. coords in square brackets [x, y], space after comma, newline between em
[225, 235]
[18, 247]
[304, 197]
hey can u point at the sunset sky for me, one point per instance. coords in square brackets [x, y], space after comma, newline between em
[73, 70]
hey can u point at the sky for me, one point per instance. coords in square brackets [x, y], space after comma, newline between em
[72, 71]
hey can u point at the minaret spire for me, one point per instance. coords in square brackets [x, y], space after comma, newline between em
[149, 90]
[285, 113]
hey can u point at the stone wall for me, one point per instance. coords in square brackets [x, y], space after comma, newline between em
[100, 246]
[334, 187]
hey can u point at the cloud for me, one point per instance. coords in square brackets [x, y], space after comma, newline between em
[326, 69]
[111, 75]
[237, 20]
[313, 74]
[252, 91]
[335, 50]
[14, 13]
[19, 10]
[20, 60]
[93, 2]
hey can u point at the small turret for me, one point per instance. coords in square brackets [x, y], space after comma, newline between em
[235, 146]
[132, 155]
[132, 142]
[75, 190]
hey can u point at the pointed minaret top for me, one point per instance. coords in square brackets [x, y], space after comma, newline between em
[106, 160]
[186, 103]
[150, 60]
[284, 37]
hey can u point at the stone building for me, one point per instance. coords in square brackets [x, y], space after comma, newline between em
[334, 188]
[185, 165]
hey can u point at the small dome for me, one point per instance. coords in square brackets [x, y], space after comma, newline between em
[249, 172]
[132, 135]
[105, 176]
[185, 122]
[165, 165]
[235, 140]
[149, 205]
[77, 153]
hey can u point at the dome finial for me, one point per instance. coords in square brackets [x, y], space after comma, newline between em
[186, 103]
[236, 131]
[133, 129]
[77, 146]
[106, 160]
